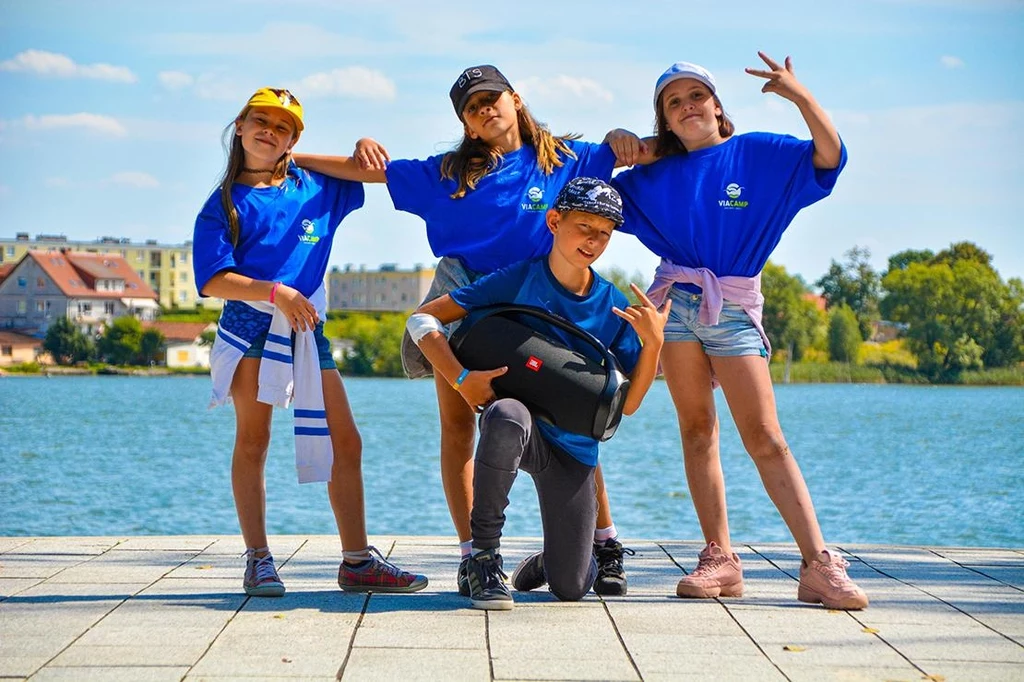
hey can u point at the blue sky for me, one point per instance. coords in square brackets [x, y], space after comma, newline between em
[112, 112]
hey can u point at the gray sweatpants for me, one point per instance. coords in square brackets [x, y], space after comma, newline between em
[565, 490]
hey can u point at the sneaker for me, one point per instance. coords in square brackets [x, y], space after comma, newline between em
[611, 576]
[488, 588]
[825, 581]
[380, 575]
[463, 577]
[717, 575]
[261, 579]
[529, 574]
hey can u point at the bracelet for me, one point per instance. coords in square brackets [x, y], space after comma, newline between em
[273, 291]
[458, 382]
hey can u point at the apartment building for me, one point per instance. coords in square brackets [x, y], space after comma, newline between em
[388, 289]
[165, 268]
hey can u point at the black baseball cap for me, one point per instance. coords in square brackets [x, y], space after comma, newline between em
[476, 79]
[590, 195]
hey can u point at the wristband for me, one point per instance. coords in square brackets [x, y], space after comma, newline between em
[458, 382]
[273, 291]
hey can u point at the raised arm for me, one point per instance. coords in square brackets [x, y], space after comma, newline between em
[629, 149]
[367, 163]
[425, 328]
[782, 81]
[649, 323]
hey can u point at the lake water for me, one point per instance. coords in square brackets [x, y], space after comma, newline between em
[138, 456]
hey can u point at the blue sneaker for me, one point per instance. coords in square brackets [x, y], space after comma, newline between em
[488, 588]
[261, 579]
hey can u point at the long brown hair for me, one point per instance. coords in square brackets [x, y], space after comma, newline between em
[473, 159]
[236, 158]
[666, 143]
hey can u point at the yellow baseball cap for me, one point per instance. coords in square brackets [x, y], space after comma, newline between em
[278, 98]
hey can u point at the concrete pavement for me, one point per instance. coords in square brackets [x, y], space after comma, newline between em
[172, 608]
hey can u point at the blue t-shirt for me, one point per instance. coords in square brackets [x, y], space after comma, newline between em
[501, 222]
[285, 232]
[724, 207]
[532, 283]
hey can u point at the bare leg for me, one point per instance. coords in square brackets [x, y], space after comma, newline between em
[688, 374]
[748, 388]
[252, 438]
[458, 432]
[346, 487]
[604, 510]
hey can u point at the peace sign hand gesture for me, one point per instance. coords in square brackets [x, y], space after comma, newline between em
[781, 79]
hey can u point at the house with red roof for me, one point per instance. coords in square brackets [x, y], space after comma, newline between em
[183, 345]
[90, 289]
[16, 349]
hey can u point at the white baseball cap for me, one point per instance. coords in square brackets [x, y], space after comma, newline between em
[683, 70]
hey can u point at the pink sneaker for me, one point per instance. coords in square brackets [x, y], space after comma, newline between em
[825, 581]
[717, 575]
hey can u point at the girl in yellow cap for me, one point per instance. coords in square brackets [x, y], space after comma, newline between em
[262, 242]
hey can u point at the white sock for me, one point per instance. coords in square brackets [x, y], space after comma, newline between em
[466, 548]
[602, 534]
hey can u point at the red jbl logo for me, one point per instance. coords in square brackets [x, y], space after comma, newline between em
[534, 363]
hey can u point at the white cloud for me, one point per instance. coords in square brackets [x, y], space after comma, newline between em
[43, 63]
[134, 179]
[57, 182]
[93, 122]
[563, 88]
[175, 80]
[353, 81]
[951, 62]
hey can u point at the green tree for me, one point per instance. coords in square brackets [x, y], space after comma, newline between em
[376, 344]
[791, 319]
[149, 345]
[621, 280]
[121, 343]
[854, 284]
[66, 343]
[844, 336]
[902, 259]
[958, 311]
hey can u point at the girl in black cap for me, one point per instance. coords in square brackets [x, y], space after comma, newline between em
[484, 205]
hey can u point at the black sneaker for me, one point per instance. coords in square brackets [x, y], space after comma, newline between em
[611, 576]
[529, 575]
[488, 588]
[463, 577]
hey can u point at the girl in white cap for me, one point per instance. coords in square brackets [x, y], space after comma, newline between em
[484, 205]
[270, 346]
[714, 208]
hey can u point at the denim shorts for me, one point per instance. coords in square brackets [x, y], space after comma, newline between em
[734, 335]
[323, 347]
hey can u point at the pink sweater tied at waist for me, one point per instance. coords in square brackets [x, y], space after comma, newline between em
[743, 291]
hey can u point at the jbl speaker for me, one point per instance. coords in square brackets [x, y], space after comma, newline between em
[557, 383]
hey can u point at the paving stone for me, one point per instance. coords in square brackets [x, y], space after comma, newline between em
[414, 665]
[111, 674]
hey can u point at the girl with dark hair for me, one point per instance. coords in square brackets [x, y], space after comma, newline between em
[484, 205]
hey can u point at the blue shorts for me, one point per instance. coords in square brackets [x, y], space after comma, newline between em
[734, 335]
[323, 347]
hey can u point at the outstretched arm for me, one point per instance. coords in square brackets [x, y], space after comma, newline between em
[367, 163]
[629, 149]
[782, 81]
[424, 327]
[649, 323]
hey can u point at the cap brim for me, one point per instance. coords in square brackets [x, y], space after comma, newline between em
[679, 76]
[479, 87]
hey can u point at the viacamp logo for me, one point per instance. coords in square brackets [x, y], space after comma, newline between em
[536, 203]
[307, 236]
[733, 191]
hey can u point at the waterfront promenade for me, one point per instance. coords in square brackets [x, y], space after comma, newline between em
[171, 608]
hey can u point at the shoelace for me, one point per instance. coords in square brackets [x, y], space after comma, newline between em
[835, 571]
[383, 564]
[263, 566]
[609, 559]
[493, 575]
[707, 564]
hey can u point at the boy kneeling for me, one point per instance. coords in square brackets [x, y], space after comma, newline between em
[562, 464]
